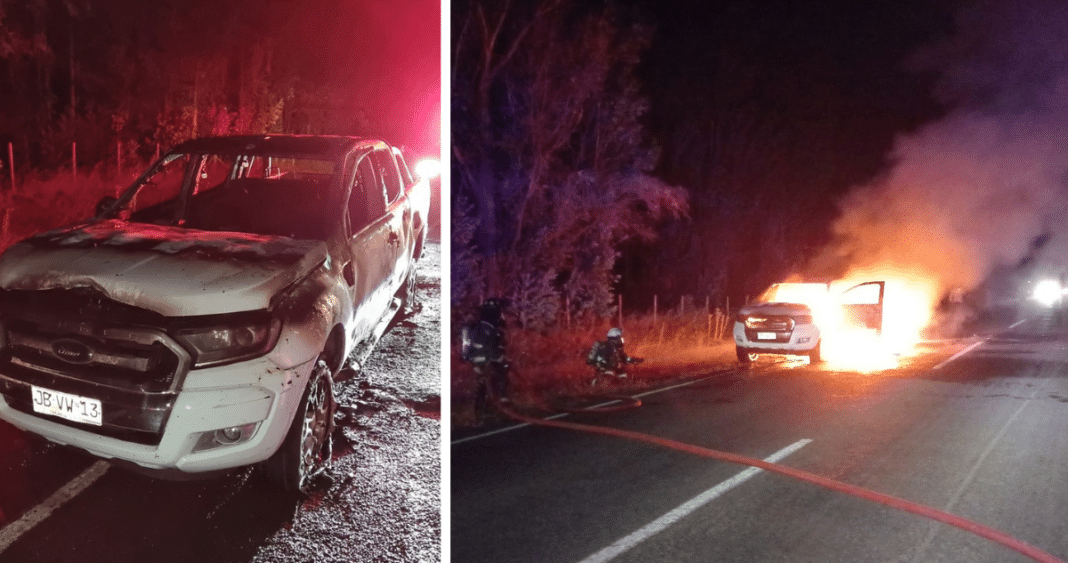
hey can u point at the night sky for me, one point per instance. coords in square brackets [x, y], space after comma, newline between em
[930, 134]
[813, 139]
[861, 50]
[840, 81]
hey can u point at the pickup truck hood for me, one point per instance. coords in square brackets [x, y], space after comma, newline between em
[776, 309]
[169, 270]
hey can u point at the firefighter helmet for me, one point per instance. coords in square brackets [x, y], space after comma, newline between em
[490, 310]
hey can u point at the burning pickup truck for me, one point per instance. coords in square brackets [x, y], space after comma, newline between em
[795, 318]
[198, 322]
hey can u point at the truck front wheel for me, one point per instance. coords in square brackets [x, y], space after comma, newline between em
[814, 356]
[306, 450]
[408, 293]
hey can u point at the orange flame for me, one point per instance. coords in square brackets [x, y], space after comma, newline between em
[908, 305]
[909, 302]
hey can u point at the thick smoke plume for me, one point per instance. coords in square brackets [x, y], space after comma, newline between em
[978, 188]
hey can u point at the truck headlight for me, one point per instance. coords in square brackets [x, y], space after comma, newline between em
[228, 338]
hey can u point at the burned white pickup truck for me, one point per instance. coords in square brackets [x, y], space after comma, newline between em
[198, 322]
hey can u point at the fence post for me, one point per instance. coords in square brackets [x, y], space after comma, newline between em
[74, 160]
[11, 163]
[567, 311]
[654, 308]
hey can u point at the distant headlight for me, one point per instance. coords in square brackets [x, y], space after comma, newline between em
[228, 338]
[1048, 292]
[428, 168]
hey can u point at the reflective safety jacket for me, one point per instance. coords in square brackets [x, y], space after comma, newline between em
[482, 343]
[608, 355]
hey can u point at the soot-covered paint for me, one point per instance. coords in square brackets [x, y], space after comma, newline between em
[125, 235]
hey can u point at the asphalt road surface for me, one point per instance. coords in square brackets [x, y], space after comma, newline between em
[977, 427]
[378, 502]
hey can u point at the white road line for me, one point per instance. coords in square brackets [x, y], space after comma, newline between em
[10, 533]
[969, 348]
[561, 415]
[655, 391]
[660, 524]
[961, 353]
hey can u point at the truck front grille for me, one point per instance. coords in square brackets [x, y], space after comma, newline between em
[80, 343]
[759, 327]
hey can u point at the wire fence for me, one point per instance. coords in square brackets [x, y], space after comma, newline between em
[33, 200]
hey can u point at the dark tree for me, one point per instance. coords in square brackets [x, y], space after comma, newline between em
[151, 74]
[551, 163]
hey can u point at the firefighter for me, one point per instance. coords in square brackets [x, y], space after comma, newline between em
[609, 359]
[483, 345]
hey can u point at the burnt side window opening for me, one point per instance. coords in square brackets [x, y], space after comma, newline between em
[276, 195]
[368, 199]
[387, 170]
[156, 199]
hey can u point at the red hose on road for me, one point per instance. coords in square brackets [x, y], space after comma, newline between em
[891, 501]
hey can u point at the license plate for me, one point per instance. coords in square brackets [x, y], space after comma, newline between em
[65, 405]
[766, 336]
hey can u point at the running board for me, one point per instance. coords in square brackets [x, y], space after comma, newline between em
[364, 348]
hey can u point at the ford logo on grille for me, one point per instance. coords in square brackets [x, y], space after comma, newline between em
[72, 351]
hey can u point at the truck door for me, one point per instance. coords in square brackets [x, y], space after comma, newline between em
[369, 271]
[862, 306]
[399, 213]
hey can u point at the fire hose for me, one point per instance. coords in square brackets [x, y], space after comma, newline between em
[859, 492]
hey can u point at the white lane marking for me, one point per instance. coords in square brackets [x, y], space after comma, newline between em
[969, 348]
[961, 353]
[660, 524]
[655, 391]
[933, 529]
[563, 414]
[10, 533]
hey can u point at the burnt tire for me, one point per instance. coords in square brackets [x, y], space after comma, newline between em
[307, 447]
